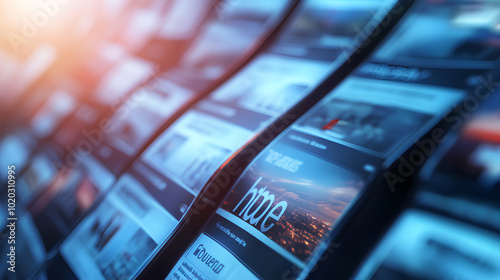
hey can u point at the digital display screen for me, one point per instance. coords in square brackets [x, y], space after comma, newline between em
[270, 84]
[226, 38]
[293, 210]
[327, 29]
[237, 111]
[284, 205]
[68, 194]
[465, 33]
[135, 122]
[308, 170]
[230, 73]
[377, 116]
[176, 166]
[427, 246]
[129, 215]
[315, 192]
[130, 128]
[192, 149]
[441, 43]
[364, 124]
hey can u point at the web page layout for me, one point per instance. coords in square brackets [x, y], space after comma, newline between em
[282, 208]
[170, 178]
[129, 215]
[377, 116]
[148, 110]
[291, 197]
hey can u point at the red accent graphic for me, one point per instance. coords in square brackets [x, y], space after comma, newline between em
[331, 124]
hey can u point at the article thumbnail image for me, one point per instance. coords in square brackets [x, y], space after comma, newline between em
[116, 243]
